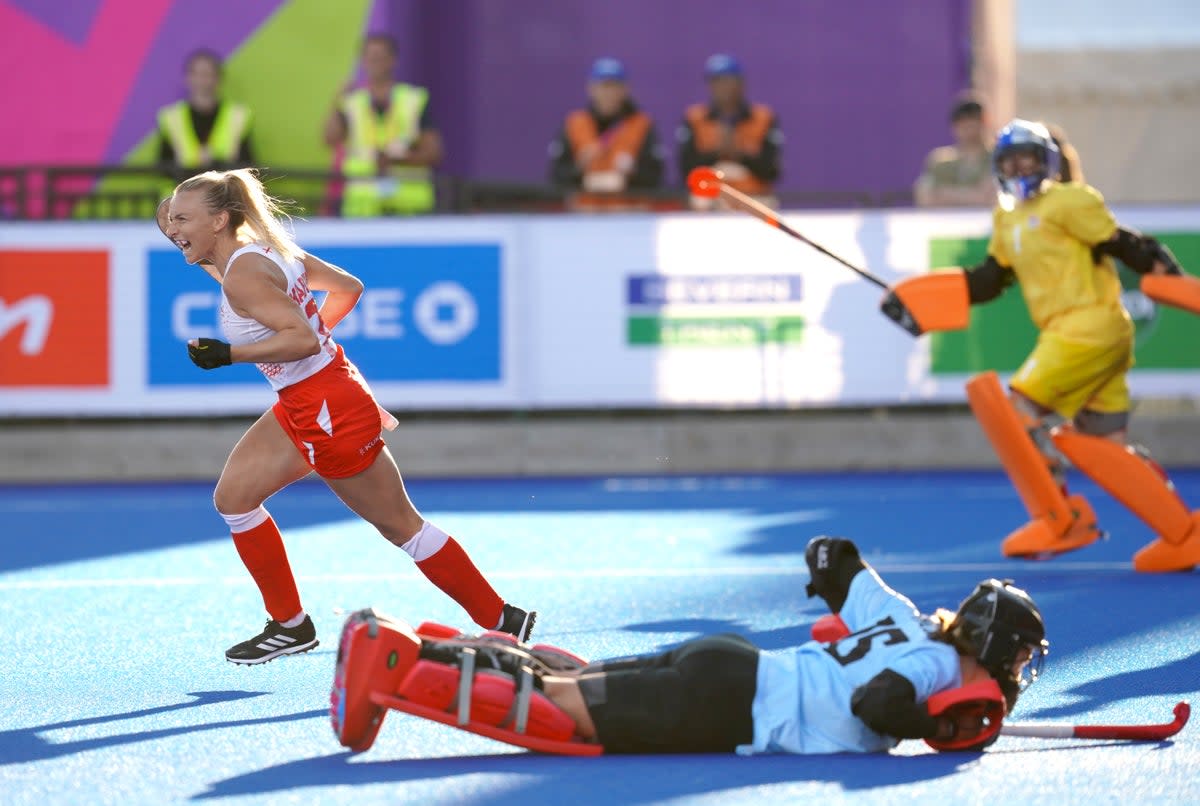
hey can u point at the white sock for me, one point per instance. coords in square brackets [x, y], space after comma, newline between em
[246, 521]
[426, 542]
[294, 621]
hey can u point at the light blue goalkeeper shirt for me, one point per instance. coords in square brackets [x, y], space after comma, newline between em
[802, 701]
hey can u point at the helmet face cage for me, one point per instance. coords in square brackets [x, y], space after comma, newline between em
[999, 620]
[1024, 137]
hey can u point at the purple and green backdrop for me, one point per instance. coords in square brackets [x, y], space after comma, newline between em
[861, 86]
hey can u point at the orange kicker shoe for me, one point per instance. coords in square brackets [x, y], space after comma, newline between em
[1037, 539]
[1161, 556]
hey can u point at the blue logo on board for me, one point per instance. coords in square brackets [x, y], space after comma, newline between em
[429, 313]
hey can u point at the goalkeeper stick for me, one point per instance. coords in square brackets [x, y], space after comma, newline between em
[707, 183]
[1132, 733]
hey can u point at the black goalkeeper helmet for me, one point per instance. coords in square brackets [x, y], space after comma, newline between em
[995, 623]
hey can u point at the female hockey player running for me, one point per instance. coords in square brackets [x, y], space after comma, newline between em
[326, 419]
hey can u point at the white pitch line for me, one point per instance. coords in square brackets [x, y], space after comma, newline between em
[558, 574]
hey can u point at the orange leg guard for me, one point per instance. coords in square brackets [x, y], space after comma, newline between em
[1140, 484]
[1058, 523]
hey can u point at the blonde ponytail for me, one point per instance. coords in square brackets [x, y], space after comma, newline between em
[253, 213]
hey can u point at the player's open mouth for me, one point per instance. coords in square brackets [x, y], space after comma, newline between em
[182, 244]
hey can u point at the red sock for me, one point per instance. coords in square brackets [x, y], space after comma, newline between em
[452, 571]
[262, 552]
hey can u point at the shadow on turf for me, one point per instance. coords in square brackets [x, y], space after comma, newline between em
[27, 744]
[1181, 676]
[606, 779]
[1039, 745]
[133, 518]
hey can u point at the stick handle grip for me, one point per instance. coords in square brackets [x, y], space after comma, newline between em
[1050, 730]
[1047, 730]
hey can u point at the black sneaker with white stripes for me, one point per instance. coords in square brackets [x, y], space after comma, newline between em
[516, 621]
[274, 641]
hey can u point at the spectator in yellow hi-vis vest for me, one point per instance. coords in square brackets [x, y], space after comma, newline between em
[390, 146]
[204, 130]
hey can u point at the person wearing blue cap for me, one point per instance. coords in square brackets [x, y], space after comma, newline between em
[609, 147]
[740, 139]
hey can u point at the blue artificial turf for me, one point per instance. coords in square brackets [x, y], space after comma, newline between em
[117, 601]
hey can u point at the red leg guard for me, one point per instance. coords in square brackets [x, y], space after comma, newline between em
[432, 630]
[1140, 484]
[1058, 523]
[488, 703]
[554, 658]
[374, 655]
[491, 701]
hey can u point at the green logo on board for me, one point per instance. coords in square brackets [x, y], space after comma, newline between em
[705, 310]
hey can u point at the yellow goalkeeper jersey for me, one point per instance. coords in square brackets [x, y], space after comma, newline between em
[1047, 241]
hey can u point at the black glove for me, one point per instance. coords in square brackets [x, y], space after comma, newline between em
[832, 564]
[209, 353]
[1164, 255]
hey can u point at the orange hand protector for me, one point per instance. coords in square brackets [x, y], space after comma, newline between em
[1176, 290]
[927, 302]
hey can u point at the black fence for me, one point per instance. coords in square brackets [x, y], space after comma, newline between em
[112, 192]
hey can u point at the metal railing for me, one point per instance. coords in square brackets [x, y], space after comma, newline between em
[117, 192]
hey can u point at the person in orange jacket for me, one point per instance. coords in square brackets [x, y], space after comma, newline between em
[740, 139]
[611, 145]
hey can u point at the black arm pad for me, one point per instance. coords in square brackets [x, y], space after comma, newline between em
[987, 280]
[1137, 251]
[887, 705]
[832, 564]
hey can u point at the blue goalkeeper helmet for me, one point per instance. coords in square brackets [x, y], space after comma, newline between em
[1024, 137]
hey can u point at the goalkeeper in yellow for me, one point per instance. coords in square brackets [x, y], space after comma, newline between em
[1057, 240]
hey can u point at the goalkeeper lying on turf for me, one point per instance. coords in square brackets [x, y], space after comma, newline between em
[877, 672]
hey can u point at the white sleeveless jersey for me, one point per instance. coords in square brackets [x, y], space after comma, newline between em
[802, 702]
[244, 330]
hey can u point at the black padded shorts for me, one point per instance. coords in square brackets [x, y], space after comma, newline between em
[695, 698]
